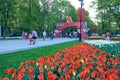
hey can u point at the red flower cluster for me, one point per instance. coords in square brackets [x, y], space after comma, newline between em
[20, 74]
[81, 61]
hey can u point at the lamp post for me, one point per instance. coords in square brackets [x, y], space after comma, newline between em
[80, 37]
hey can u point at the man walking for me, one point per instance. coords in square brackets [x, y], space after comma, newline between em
[34, 36]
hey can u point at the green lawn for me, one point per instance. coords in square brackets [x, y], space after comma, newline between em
[14, 59]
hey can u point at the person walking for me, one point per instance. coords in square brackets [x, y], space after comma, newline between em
[108, 36]
[52, 34]
[44, 35]
[34, 36]
[23, 35]
[75, 34]
[30, 39]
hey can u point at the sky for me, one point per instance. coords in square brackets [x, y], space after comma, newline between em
[86, 6]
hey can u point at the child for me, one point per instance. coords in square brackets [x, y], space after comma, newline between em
[30, 38]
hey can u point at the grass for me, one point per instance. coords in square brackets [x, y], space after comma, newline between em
[14, 59]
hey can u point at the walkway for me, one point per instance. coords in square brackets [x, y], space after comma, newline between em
[7, 46]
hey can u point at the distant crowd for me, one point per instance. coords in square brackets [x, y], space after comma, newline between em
[31, 36]
[53, 34]
[58, 34]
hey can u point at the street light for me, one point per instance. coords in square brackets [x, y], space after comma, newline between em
[80, 37]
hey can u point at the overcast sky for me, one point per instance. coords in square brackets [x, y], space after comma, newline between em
[87, 3]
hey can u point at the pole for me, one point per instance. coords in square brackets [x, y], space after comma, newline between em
[80, 37]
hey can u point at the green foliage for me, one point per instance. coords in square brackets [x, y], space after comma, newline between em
[26, 15]
[108, 14]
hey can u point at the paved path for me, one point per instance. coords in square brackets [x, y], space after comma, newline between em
[7, 46]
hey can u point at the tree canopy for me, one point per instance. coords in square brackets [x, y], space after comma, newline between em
[25, 15]
[108, 14]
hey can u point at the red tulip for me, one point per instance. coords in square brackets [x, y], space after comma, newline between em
[5, 79]
[41, 76]
[67, 77]
[61, 78]
[82, 75]
[31, 62]
[50, 76]
[9, 71]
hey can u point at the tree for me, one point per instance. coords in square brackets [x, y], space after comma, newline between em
[25, 15]
[4, 12]
[109, 11]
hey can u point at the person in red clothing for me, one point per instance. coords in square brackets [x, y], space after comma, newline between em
[30, 39]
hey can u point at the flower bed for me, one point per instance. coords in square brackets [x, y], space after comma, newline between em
[101, 37]
[100, 43]
[96, 37]
[112, 47]
[80, 62]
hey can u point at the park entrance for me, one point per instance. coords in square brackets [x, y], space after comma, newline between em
[69, 23]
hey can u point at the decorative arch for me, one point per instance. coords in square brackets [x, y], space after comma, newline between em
[69, 22]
